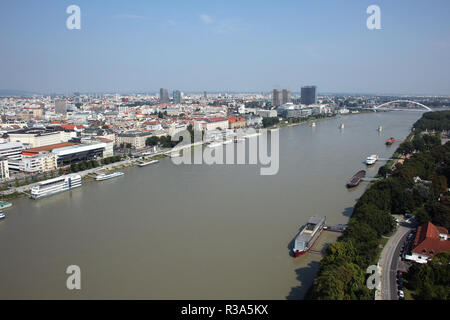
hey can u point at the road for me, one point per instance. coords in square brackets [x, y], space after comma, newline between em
[389, 260]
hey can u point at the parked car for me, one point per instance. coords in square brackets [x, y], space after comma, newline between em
[401, 294]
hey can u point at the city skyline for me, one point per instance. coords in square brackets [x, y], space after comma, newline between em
[226, 47]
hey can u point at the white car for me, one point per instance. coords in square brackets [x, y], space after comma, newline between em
[401, 294]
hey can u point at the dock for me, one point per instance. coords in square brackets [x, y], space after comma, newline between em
[335, 228]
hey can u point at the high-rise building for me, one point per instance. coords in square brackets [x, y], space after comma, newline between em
[275, 98]
[285, 96]
[309, 95]
[60, 106]
[177, 96]
[205, 95]
[163, 96]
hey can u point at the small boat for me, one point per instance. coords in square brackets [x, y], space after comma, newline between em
[356, 179]
[390, 141]
[342, 126]
[143, 164]
[380, 128]
[2, 215]
[371, 159]
[313, 125]
[106, 176]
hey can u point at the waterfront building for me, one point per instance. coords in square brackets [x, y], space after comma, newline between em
[429, 241]
[77, 153]
[13, 152]
[308, 95]
[33, 162]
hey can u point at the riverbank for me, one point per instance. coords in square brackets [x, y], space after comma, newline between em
[372, 218]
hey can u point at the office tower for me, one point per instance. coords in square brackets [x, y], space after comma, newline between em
[285, 96]
[60, 106]
[309, 95]
[275, 98]
[163, 96]
[177, 96]
[205, 95]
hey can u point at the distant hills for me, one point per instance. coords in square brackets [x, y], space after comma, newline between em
[15, 93]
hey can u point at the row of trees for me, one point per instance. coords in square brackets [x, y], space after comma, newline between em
[270, 121]
[438, 121]
[430, 281]
[86, 165]
[342, 270]
[163, 141]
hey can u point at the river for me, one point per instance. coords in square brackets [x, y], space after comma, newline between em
[195, 231]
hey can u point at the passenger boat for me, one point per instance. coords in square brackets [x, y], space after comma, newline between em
[143, 164]
[371, 159]
[53, 186]
[106, 176]
[2, 215]
[309, 235]
[356, 179]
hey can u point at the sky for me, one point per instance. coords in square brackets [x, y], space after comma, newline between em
[225, 46]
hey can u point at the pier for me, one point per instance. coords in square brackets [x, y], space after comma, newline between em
[335, 228]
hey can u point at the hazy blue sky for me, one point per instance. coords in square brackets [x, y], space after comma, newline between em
[226, 45]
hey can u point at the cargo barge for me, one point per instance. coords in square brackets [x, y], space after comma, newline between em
[356, 179]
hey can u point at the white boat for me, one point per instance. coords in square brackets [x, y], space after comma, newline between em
[380, 128]
[313, 125]
[2, 216]
[106, 176]
[143, 164]
[53, 186]
[371, 159]
[342, 126]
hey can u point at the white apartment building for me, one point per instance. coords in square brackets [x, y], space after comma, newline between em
[38, 162]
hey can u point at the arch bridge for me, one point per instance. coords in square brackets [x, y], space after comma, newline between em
[408, 101]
